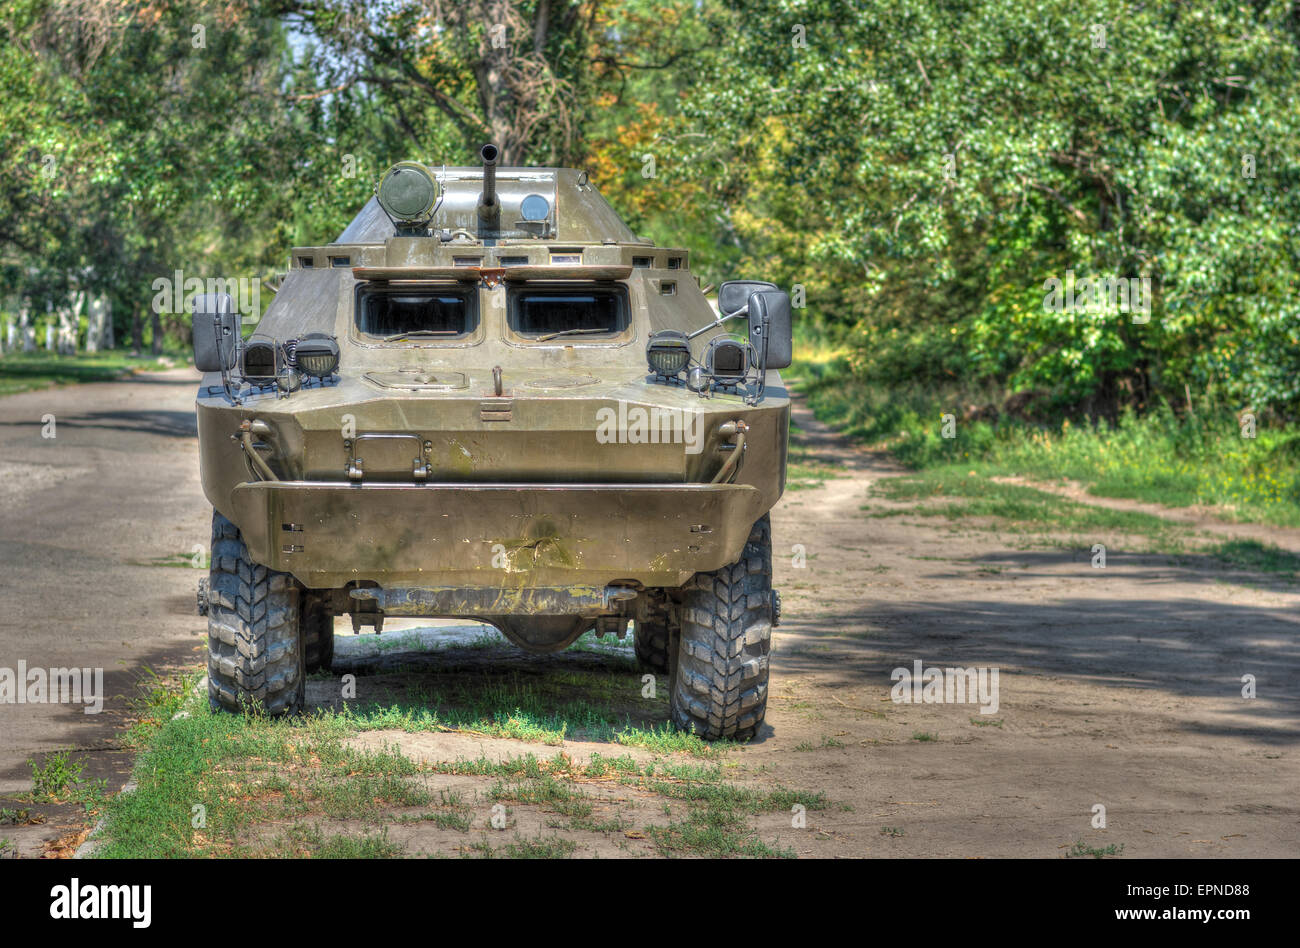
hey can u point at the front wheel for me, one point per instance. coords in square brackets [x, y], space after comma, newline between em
[317, 634]
[650, 639]
[719, 687]
[255, 653]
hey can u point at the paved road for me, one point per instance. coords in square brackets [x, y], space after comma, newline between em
[82, 515]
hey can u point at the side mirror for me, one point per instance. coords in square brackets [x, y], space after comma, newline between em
[773, 308]
[215, 325]
[734, 294]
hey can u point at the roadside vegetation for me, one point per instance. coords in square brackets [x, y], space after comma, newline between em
[330, 784]
[25, 371]
[1173, 456]
[1042, 518]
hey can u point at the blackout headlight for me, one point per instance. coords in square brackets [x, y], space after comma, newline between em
[727, 360]
[668, 352]
[317, 355]
[261, 360]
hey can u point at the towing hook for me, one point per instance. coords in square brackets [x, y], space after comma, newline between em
[248, 428]
[727, 429]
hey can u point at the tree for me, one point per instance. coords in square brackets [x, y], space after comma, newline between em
[152, 138]
[943, 161]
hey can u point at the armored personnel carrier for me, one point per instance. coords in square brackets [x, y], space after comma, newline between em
[488, 399]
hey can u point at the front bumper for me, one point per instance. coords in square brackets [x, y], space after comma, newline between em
[494, 536]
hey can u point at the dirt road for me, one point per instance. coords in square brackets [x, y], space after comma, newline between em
[1118, 687]
[85, 517]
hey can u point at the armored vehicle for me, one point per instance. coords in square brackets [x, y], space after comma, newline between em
[488, 399]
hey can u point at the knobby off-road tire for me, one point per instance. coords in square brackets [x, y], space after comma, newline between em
[317, 635]
[650, 640]
[255, 654]
[719, 687]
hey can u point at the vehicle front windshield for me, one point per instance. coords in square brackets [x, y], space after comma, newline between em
[393, 311]
[544, 312]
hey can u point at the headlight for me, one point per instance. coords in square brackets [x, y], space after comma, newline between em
[408, 193]
[317, 355]
[261, 360]
[696, 379]
[668, 352]
[727, 360]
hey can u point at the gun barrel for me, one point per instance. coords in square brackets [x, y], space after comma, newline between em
[488, 207]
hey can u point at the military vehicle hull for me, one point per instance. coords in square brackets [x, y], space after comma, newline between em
[565, 508]
[542, 479]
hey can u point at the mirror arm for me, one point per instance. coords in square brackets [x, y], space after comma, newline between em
[743, 311]
[225, 372]
[762, 362]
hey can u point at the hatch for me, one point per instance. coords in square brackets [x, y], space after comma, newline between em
[416, 378]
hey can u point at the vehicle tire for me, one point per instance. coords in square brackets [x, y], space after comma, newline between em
[650, 640]
[255, 654]
[317, 635]
[719, 684]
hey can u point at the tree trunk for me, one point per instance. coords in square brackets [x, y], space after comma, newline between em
[99, 325]
[137, 333]
[156, 345]
[69, 317]
[25, 329]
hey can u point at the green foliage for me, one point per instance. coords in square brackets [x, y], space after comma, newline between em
[23, 371]
[59, 780]
[921, 171]
[53, 779]
[942, 161]
[139, 147]
[1205, 456]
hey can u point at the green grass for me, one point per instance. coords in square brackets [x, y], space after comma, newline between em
[801, 475]
[804, 470]
[545, 706]
[248, 771]
[154, 703]
[1167, 457]
[12, 817]
[302, 840]
[271, 787]
[460, 822]
[25, 371]
[55, 778]
[58, 780]
[714, 833]
[826, 742]
[1083, 849]
[551, 847]
[955, 493]
[1257, 557]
